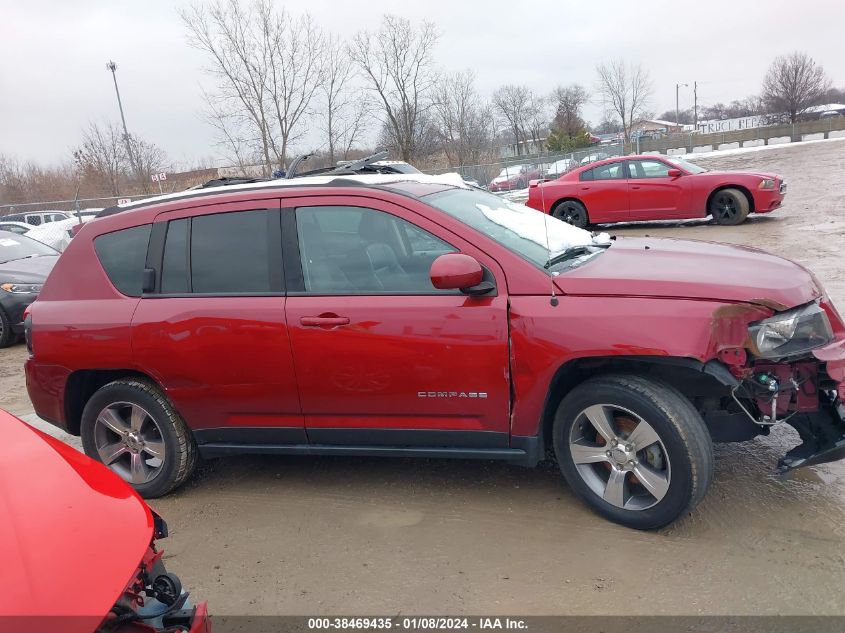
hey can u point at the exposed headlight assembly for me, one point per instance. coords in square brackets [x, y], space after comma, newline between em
[767, 183]
[22, 289]
[791, 333]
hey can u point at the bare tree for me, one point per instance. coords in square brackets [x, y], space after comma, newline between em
[517, 105]
[461, 119]
[103, 154]
[397, 65]
[794, 83]
[625, 89]
[345, 112]
[268, 66]
[149, 159]
[568, 103]
[296, 72]
[536, 119]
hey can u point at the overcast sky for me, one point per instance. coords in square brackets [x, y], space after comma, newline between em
[53, 54]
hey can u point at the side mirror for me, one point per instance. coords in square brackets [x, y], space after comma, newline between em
[675, 173]
[455, 271]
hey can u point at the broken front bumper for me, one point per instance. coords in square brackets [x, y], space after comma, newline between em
[822, 434]
[823, 431]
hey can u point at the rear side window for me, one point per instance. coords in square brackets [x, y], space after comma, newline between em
[123, 255]
[174, 277]
[221, 254]
[587, 175]
[611, 171]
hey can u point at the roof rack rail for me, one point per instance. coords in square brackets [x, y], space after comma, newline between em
[356, 165]
[229, 180]
[365, 165]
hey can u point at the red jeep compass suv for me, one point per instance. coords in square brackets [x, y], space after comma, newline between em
[412, 315]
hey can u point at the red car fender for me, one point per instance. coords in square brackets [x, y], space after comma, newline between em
[631, 326]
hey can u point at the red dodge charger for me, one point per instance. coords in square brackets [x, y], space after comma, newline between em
[628, 188]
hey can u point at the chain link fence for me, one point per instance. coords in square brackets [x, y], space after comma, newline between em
[68, 206]
[508, 174]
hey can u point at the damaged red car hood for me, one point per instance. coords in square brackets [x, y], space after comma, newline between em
[72, 533]
[665, 267]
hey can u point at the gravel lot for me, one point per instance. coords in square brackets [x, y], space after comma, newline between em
[261, 535]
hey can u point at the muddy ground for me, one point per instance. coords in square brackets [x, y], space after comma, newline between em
[287, 535]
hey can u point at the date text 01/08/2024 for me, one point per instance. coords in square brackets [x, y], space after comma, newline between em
[417, 623]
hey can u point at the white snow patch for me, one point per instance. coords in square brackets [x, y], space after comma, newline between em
[779, 140]
[723, 146]
[818, 136]
[537, 227]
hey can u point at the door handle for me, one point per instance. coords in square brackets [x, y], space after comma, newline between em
[324, 321]
[635, 186]
[584, 188]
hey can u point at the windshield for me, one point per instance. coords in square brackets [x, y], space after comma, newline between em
[514, 226]
[14, 247]
[693, 169]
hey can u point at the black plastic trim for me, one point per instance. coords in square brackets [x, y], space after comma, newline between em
[220, 450]
[532, 446]
[408, 438]
[294, 279]
[251, 435]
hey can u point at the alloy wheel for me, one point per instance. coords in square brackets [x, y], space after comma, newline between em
[725, 208]
[620, 457]
[129, 441]
[572, 215]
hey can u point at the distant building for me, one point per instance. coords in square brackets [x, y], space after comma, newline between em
[655, 127]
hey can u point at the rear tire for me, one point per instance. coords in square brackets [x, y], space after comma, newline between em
[729, 207]
[573, 212]
[646, 460]
[130, 426]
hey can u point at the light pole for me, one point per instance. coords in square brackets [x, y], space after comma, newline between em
[677, 109]
[113, 68]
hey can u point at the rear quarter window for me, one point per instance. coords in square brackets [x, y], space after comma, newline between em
[123, 255]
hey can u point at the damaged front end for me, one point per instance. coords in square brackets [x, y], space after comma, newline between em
[794, 374]
[154, 600]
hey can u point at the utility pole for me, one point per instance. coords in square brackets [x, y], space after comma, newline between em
[695, 106]
[113, 68]
[677, 110]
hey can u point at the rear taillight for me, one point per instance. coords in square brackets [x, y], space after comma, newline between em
[27, 330]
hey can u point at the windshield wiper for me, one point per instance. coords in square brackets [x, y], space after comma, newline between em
[571, 253]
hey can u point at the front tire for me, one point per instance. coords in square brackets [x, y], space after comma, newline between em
[130, 427]
[573, 212]
[729, 207]
[7, 337]
[634, 449]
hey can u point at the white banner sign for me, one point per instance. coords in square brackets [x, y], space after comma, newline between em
[731, 125]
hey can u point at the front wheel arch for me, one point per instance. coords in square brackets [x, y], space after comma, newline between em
[685, 374]
[740, 188]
